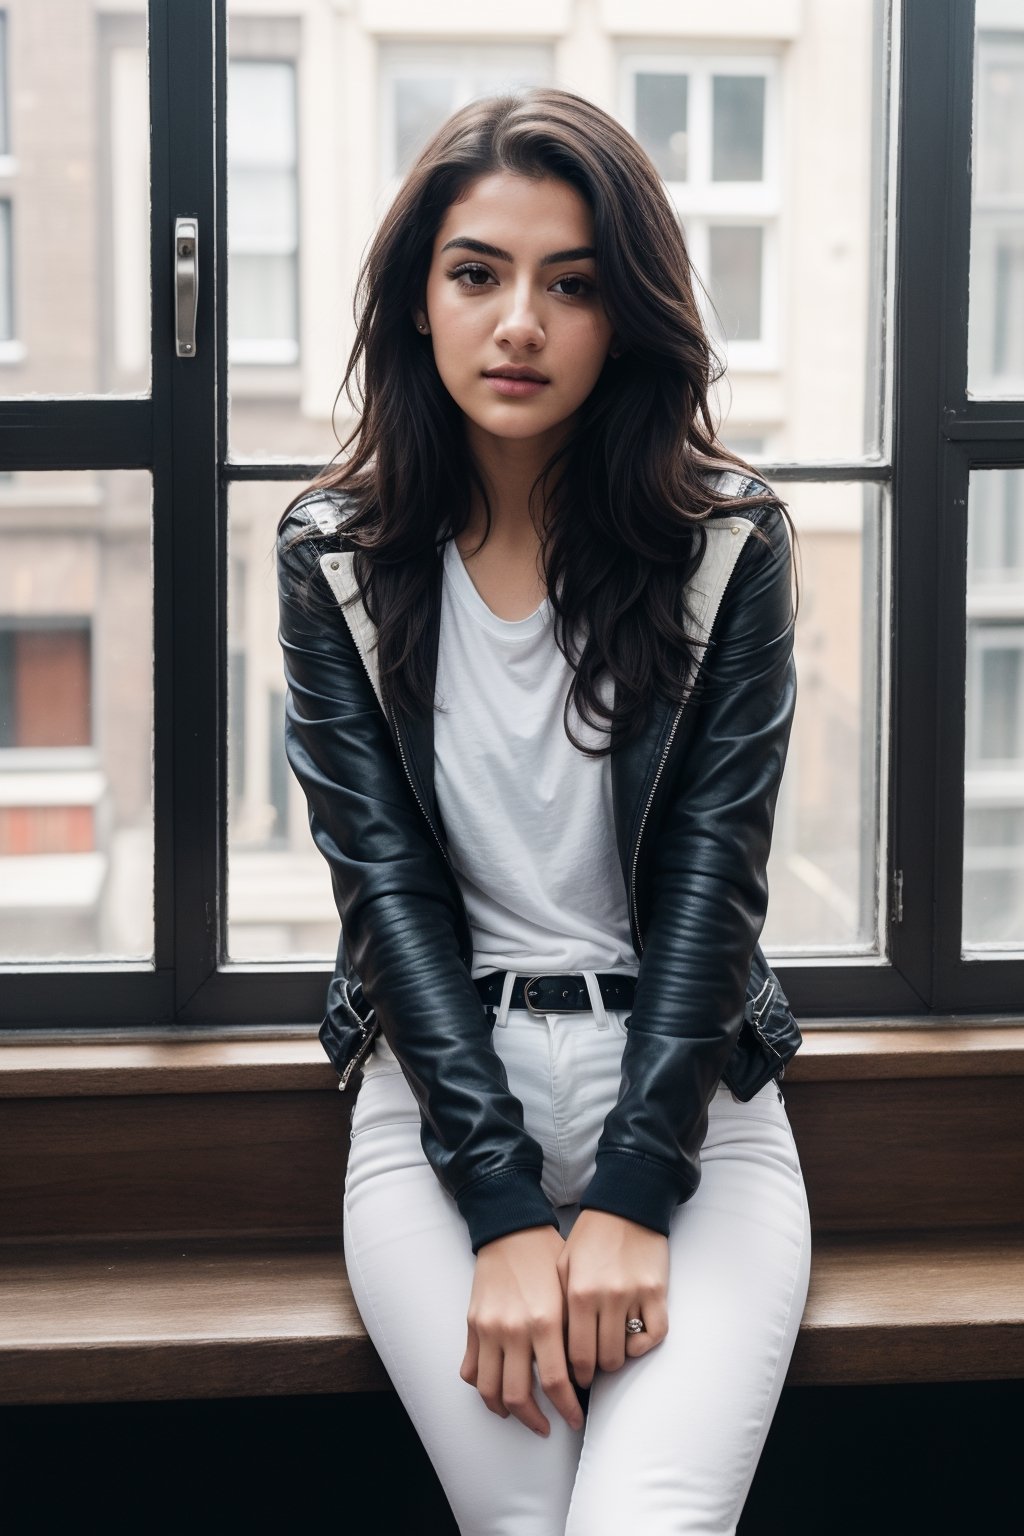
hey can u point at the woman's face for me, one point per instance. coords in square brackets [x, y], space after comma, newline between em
[512, 287]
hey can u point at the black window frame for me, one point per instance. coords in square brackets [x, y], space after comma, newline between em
[180, 434]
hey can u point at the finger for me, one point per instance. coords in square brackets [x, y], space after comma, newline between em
[655, 1315]
[611, 1335]
[582, 1338]
[553, 1370]
[637, 1343]
[489, 1373]
[517, 1389]
[468, 1368]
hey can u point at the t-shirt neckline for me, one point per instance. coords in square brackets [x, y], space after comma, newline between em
[464, 589]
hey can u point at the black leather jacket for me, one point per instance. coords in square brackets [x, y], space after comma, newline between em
[694, 801]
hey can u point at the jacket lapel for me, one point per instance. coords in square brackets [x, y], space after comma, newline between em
[417, 731]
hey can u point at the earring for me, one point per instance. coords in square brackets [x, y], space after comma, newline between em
[422, 327]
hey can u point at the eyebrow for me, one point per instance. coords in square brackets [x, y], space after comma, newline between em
[577, 253]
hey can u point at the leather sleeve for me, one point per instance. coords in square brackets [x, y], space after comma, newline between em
[399, 910]
[709, 895]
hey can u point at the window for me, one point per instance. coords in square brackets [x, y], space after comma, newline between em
[5, 138]
[997, 244]
[263, 216]
[421, 85]
[6, 275]
[848, 178]
[710, 124]
[45, 692]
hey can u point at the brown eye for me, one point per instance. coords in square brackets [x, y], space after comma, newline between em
[579, 287]
[469, 274]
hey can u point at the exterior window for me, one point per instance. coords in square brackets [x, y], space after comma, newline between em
[44, 703]
[263, 212]
[6, 285]
[709, 125]
[996, 351]
[44, 686]
[5, 132]
[421, 86]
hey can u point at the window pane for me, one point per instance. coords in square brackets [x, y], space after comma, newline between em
[421, 106]
[74, 200]
[737, 139]
[280, 904]
[661, 123]
[261, 308]
[263, 213]
[824, 868]
[734, 279]
[261, 114]
[993, 904]
[6, 292]
[996, 327]
[76, 803]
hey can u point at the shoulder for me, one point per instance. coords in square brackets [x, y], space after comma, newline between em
[317, 515]
[768, 533]
[311, 527]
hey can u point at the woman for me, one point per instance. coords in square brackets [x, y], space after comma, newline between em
[537, 633]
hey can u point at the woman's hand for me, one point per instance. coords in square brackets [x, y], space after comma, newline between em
[517, 1314]
[612, 1269]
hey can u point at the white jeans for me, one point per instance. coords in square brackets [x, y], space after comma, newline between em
[672, 1439]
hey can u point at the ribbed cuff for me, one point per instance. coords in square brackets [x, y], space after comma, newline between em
[636, 1187]
[503, 1203]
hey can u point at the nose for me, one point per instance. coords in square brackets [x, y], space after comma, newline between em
[519, 324]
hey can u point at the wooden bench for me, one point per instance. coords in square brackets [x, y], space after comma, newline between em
[170, 1213]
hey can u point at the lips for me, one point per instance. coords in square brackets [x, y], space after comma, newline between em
[509, 371]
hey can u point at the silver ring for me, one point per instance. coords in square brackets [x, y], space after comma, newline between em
[635, 1325]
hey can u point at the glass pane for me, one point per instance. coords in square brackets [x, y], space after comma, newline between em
[76, 688]
[993, 904]
[280, 904]
[263, 214]
[734, 273]
[421, 106]
[737, 135]
[74, 200]
[261, 308]
[824, 869]
[261, 113]
[661, 103]
[996, 327]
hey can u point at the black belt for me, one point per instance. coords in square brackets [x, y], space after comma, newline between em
[557, 994]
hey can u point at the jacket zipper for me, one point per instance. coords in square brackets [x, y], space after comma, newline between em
[643, 821]
[756, 1015]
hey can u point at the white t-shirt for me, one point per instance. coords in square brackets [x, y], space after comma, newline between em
[529, 818]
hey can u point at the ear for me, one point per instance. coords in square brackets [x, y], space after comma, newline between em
[420, 321]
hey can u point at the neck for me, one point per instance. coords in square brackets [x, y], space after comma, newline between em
[509, 468]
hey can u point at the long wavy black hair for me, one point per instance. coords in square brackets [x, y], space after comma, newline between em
[623, 499]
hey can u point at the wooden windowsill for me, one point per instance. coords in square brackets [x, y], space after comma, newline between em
[134, 1322]
[148, 1063]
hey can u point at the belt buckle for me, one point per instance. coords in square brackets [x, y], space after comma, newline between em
[538, 1013]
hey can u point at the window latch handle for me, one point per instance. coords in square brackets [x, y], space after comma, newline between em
[186, 285]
